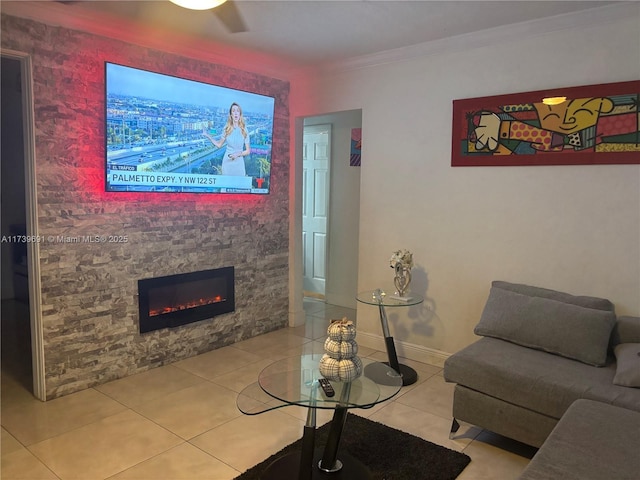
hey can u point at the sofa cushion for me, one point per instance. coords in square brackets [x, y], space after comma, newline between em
[627, 330]
[533, 379]
[579, 300]
[546, 324]
[627, 365]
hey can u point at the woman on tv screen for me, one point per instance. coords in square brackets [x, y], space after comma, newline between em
[237, 139]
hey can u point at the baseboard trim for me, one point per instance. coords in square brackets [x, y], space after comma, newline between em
[407, 350]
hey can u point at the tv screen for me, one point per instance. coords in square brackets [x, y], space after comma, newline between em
[169, 134]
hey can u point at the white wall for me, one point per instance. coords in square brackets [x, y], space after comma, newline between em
[344, 210]
[572, 228]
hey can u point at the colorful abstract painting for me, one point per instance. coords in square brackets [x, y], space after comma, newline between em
[597, 124]
[356, 146]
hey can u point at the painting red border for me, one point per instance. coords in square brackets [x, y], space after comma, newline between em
[465, 118]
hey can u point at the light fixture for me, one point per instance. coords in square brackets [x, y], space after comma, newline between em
[198, 4]
[554, 100]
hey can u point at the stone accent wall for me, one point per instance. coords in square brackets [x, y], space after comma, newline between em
[89, 300]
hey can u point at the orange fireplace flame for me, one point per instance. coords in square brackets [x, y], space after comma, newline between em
[201, 302]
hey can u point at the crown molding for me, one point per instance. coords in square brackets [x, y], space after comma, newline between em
[58, 14]
[492, 36]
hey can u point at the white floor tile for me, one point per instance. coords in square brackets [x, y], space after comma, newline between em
[184, 462]
[247, 440]
[181, 422]
[34, 421]
[145, 387]
[104, 448]
[23, 465]
[192, 411]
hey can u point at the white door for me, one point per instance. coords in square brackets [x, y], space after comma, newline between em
[315, 206]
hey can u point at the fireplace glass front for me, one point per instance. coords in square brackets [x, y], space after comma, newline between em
[176, 300]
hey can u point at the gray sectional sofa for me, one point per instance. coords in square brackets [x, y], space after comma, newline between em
[540, 351]
[592, 441]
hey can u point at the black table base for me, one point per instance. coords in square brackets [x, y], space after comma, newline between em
[288, 466]
[409, 375]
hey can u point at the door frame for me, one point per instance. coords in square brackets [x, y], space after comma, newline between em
[33, 248]
[297, 315]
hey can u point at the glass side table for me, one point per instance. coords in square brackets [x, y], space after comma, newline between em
[382, 301]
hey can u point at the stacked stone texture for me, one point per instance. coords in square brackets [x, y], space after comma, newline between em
[89, 291]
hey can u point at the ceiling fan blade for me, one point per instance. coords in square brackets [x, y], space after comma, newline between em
[230, 16]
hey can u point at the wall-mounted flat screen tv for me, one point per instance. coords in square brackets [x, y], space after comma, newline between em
[169, 134]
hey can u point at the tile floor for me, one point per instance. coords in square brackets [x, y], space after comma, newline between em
[180, 422]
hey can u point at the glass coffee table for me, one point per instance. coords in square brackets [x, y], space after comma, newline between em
[294, 381]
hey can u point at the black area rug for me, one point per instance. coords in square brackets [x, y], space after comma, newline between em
[389, 453]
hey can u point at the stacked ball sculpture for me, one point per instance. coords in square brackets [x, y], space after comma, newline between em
[341, 362]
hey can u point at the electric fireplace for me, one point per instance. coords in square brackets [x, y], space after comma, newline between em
[174, 300]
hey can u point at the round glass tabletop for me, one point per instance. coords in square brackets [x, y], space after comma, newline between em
[294, 381]
[388, 299]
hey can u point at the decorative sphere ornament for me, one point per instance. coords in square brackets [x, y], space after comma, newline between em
[341, 330]
[344, 370]
[339, 350]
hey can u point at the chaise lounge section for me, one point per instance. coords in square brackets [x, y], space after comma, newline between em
[592, 441]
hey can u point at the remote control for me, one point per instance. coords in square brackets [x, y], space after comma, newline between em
[326, 387]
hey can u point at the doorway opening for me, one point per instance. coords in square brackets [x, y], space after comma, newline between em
[22, 332]
[341, 187]
[16, 330]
